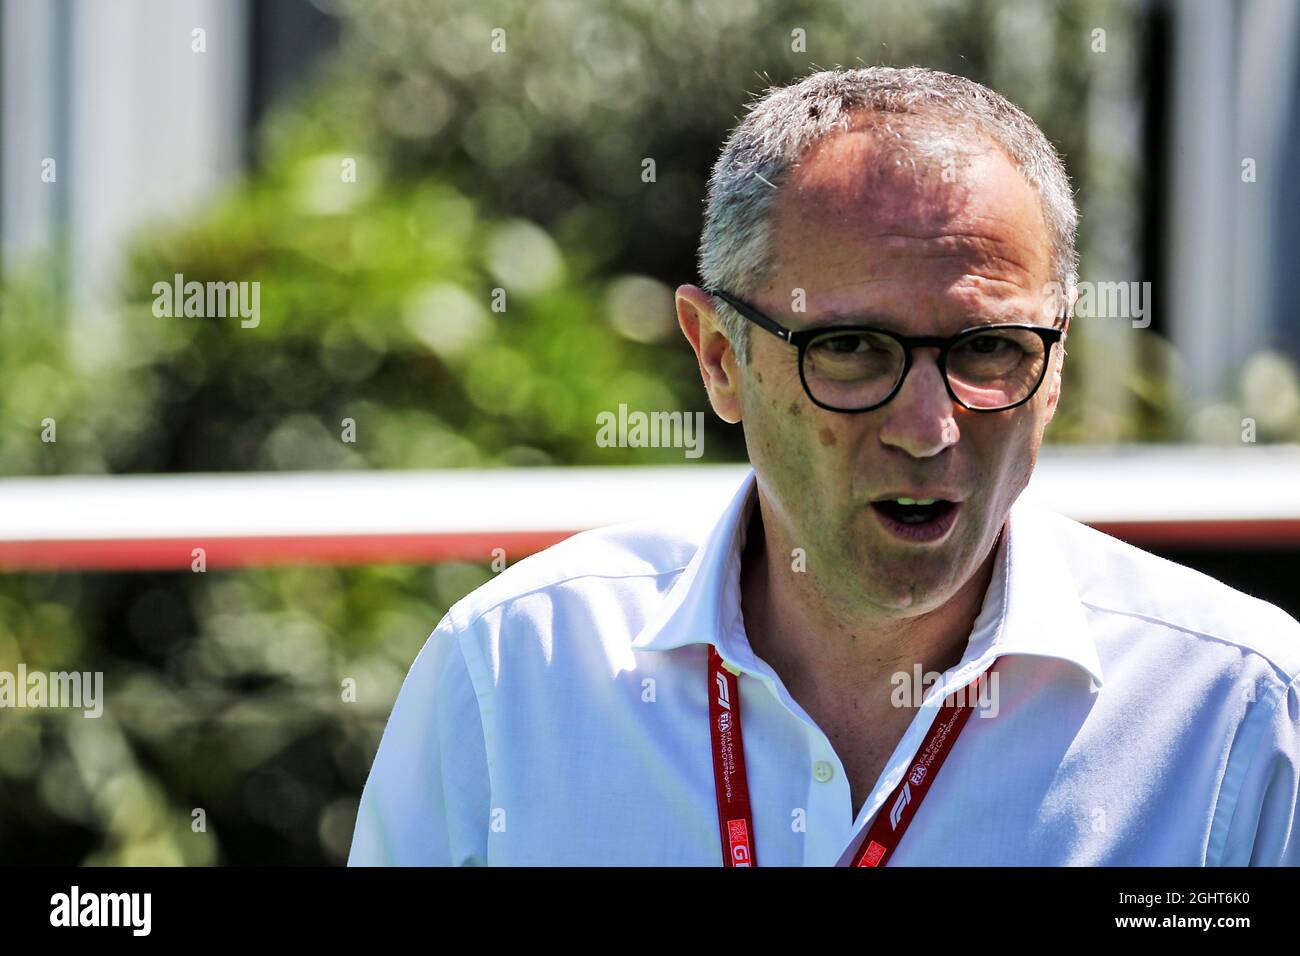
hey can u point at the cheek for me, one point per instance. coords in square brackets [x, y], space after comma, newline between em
[777, 414]
[786, 434]
[1005, 450]
[797, 446]
[1019, 456]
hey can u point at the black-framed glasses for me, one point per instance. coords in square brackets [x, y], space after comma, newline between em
[856, 368]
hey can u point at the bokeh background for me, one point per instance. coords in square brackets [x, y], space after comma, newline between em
[477, 170]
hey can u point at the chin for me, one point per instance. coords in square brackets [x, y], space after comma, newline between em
[914, 595]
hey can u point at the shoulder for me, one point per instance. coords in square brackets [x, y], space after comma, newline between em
[1115, 578]
[586, 565]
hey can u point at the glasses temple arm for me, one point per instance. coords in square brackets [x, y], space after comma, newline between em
[758, 318]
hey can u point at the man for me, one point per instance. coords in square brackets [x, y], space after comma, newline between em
[796, 686]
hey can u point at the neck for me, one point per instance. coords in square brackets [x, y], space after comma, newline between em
[819, 647]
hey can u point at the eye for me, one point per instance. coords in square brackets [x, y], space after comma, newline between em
[988, 344]
[847, 344]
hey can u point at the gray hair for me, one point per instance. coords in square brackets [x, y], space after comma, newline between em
[940, 112]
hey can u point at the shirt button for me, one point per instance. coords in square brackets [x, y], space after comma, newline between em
[823, 771]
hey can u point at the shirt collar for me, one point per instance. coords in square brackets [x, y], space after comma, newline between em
[1031, 606]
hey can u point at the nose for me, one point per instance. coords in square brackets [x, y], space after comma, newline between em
[921, 418]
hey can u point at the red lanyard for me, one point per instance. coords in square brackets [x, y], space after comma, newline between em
[736, 822]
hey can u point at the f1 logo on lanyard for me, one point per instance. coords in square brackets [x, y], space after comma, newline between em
[735, 822]
[735, 819]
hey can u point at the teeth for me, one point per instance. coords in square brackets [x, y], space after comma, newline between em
[916, 501]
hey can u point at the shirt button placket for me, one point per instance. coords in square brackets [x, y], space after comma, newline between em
[827, 798]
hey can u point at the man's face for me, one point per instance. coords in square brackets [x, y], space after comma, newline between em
[874, 242]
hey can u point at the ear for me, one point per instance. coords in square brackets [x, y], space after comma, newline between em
[1058, 363]
[718, 362]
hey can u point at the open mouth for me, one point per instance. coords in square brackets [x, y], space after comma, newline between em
[917, 519]
[914, 510]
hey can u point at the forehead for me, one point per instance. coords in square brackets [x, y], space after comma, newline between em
[863, 208]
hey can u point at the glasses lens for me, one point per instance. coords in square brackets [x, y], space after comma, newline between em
[852, 370]
[996, 367]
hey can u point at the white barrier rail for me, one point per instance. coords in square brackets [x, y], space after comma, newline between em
[1247, 497]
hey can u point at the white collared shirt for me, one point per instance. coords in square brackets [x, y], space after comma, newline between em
[1146, 714]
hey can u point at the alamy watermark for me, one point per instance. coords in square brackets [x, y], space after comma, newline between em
[910, 690]
[213, 300]
[1104, 300]
[57, 689]
[74, 908]
[651, 430]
